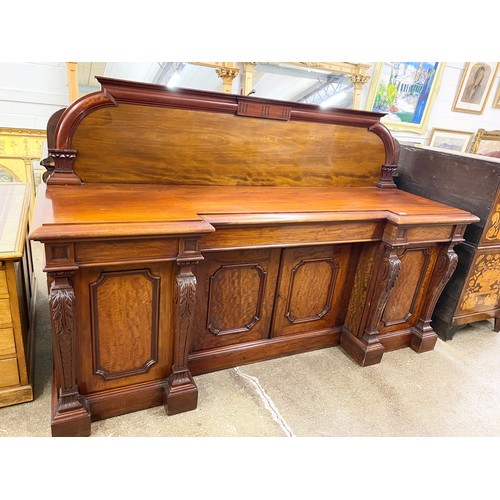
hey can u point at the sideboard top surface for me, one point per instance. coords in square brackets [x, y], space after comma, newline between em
[126, 209]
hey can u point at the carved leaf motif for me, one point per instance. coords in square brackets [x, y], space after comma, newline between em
[186, 294]
[62, 303]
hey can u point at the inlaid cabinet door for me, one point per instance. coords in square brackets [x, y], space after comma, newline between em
[313, 289]
[235, 293]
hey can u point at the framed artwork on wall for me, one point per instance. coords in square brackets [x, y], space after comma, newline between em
[406, 92]
[496, 100]
[487, 143]
[455, 140]
[475, 86]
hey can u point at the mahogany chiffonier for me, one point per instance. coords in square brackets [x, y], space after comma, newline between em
[470, 182]
[187, 231]
[17, 296]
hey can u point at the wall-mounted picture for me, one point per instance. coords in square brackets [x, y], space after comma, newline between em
[496, 100]
[487, 143]
[405, 91]
[475, 86]
[455, 140]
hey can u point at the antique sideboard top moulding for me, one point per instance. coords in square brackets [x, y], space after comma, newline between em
[188, 231]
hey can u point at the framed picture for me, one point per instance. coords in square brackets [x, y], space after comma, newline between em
[496, 100]
[475, 86]
[456, 140]
[406, 92]
[487, 143]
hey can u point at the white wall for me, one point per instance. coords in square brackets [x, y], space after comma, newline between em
[31, 92]
[442, 116]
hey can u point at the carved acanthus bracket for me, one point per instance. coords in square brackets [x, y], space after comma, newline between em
[62, 312]
[181, 393]
[424, 338]
[386, 279]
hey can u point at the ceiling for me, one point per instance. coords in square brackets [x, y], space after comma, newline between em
[301, 82]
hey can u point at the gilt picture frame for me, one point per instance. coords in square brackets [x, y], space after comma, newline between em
[406, 92]
[475, 86]
[487, 143]
[496, 100]
[451, 140]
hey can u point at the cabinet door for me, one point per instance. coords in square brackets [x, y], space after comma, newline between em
[313, 289]
[235, 296]
[124, 318]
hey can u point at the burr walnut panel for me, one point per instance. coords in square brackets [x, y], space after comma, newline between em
[147, 144]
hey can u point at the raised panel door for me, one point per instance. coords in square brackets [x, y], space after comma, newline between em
[125, 329]
[313, 289]
[235, 296]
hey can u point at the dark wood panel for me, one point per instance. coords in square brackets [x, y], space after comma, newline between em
[260, 350]
[463, 181]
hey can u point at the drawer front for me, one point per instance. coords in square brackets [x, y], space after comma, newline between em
[7, 343]
[4, 291]
[5, 315]
[9, 374]
[482, 287]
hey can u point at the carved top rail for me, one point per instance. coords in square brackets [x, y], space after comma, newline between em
[131, 132]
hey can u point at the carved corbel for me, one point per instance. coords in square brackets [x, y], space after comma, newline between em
[423, 336]
[386, 279]
[387, 177]
[366, 348]
[62, 173]
[181, 393]
[70, 416]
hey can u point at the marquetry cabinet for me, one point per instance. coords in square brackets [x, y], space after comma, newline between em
[17, 296]
[470, 182]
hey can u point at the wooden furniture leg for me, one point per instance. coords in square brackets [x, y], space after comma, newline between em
[70, 416]
[423, 336]
[181, 393]
[496, 325]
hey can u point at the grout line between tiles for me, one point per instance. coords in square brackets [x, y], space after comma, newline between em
[268, 402]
